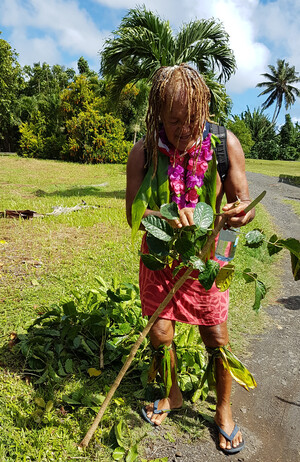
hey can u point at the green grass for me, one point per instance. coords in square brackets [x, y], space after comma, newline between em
[273, 167]
[42, 260]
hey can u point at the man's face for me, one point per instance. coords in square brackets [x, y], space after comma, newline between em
[180, 132]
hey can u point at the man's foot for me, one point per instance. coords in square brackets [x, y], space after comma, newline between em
[152, 411]
[225, 422]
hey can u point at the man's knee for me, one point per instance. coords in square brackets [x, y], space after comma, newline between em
[214, 336]
[162, 333]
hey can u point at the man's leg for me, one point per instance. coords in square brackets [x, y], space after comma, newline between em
[216, 336]
[162, 333]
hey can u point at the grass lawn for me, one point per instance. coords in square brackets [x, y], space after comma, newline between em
[43, 260]
[273, 167]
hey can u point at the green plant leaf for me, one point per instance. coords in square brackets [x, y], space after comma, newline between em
[254, 238]
[119, 453]
[69, 308]
[197, 263]
[237, 369]
[203, 215]
[260, 293]
[185, 248]
[248, 275]
[224, 277]
[295, 261]
[293, 245]
[69, 366]
[158, 227]
[40, 402]
[132, 454]
[121, 431]
[170, 211]
[156, 246]
[208, 276]
[152, 262]
[273, 245]
[49, 406]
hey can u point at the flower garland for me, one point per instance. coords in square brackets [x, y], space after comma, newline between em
[184, 184]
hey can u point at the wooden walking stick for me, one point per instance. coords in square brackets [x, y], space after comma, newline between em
[84, 443]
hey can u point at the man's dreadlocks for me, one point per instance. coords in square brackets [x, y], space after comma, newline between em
[167, 82]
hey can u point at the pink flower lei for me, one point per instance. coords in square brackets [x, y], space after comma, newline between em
[184, 184]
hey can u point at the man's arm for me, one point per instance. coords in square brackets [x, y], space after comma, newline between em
[236, 185]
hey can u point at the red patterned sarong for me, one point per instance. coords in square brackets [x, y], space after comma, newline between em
[191, 304]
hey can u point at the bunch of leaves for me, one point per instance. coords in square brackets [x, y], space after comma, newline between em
[191, 364]
[86, 333]
[256, 238]
[125, 450]
[167, 244]
[183, 245]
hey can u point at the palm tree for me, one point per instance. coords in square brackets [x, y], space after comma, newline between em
[259, 124]
[279, 85]
[144, 42]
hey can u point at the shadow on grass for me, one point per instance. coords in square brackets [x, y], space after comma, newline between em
[82, 191]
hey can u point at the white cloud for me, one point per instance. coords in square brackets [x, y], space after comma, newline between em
[278, 22]
[58, 26]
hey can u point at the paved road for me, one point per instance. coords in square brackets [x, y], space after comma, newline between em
[270, 415]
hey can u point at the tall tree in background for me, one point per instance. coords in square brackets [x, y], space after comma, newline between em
[279, 85]
[11, 82]
[144, 42]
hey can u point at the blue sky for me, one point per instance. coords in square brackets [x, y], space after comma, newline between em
[60, 31]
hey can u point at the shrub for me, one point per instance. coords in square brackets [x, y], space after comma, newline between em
[94, 138]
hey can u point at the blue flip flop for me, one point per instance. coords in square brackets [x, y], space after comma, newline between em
[155, 411]
[230, 438]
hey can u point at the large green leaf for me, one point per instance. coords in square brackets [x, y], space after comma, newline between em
[254, 238]
[224, 277]
[208, 276]
[237, 369]
[158, 228]
[203, 215]
[274, 245]
[170, 211]
[184, 247]
[156, 246]
[249, 276]
[152, 262]
[260, 293]
[295, 266]
[132, 454]
[293, 245]
[121, 432]
[197, 263]
[119, 453]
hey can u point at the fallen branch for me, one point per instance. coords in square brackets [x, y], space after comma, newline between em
[84, 443]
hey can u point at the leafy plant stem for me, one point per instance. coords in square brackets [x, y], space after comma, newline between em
[143, 334]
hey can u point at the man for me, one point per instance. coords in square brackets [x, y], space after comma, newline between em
[176, 117]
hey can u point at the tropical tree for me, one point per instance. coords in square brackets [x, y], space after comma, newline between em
[243, 133]
[279, 86]
[11, 83]
[259, 124]
[144, 42]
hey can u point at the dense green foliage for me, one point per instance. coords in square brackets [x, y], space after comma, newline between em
[56, 113]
